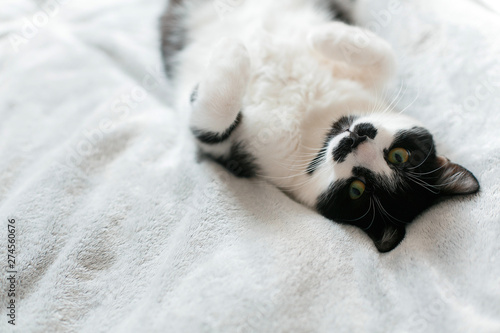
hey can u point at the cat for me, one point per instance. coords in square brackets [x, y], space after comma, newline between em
[280, 91]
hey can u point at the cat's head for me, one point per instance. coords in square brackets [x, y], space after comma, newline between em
[376, 170]
[386, 172]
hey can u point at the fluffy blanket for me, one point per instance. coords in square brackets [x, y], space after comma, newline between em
[119, 227]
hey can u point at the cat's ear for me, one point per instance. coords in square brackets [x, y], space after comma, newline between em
[455, 179]
[390, 238]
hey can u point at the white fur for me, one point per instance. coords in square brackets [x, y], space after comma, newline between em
[304, 73]
[221, 91]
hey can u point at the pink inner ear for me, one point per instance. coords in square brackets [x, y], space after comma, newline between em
[442, 160]
[455, 179]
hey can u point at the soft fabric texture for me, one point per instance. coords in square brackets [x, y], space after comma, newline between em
[121, 228]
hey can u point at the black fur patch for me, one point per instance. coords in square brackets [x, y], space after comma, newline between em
[239, 161]
[344, 148]
[173, 34]
[216, 137]
[341, 10]
[366, 129]
[337, 128]
[340, 126]
[348, 144]
[194, 94]
[316, 160]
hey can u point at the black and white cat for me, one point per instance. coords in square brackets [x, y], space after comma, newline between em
[277, 90]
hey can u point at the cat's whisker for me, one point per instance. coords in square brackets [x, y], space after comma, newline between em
[457, 178]
[289, 177]
[429, 172]
[411, 103]
[423, 184]
[308, 179]
[309, 155]
[378, 101]
[396, 100]
[384, 211]
[372, 205]
[305, 163]
[301, 163]
[278, 177]
[428, 155]
[315, 150]
[419, 179]
[380, 97]
[379, 107]
[359, 218]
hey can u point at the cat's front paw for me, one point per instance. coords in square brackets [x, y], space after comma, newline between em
[219, 96]
[230, 56]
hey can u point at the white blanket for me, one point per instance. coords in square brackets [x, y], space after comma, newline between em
[119, 228]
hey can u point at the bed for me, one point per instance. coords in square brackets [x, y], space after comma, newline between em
[119, 228]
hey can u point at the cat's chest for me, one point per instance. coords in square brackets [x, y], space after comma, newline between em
[286, 119]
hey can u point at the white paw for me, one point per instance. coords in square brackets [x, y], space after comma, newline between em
[230, 55]
[349, 44]
[223, 85]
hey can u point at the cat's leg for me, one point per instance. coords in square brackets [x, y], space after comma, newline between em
[367, 55]
[217, 100]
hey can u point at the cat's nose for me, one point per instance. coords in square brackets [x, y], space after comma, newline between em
[356, 139]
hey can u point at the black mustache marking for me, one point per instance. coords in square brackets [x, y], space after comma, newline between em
[348, 144]
[344, 148]
[337, 128]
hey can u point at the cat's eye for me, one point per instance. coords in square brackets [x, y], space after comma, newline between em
[356, 189]
[398, 156]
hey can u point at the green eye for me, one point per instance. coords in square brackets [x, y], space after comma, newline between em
[398, 156]
[356, 189]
